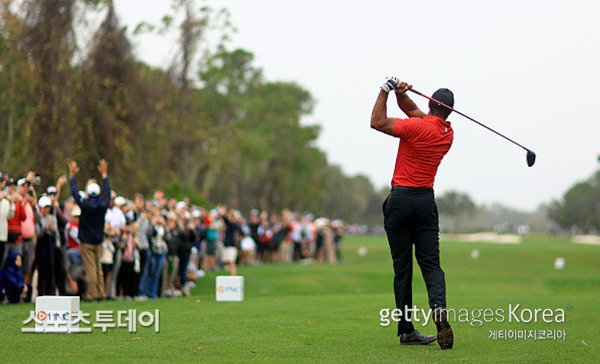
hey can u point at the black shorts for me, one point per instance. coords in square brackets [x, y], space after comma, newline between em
[106, 269]
[211, 248]
[274, 245]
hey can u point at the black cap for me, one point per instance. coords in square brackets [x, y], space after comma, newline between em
[11, 181]
[444, 96]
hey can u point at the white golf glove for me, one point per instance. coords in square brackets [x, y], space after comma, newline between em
[392, 83]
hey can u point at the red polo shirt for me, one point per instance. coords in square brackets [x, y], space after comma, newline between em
[14, 224]
[423, 144]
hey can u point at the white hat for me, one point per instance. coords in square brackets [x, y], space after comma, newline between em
[196, 213]
[120, 201]
[322, 222]
[93, 190]
[76, 211]
[22, 181]
[181, 205]
[44, 201]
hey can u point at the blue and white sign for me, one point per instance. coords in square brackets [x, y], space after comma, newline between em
[230, 288]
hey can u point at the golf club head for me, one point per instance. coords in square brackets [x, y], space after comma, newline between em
[530, 158]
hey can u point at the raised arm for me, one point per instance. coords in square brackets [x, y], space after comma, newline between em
[62, 180]
[103, 169]
[379, 118]
[405, 103]
[73, 169]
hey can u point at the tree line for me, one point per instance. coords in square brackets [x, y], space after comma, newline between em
[209, 127]
[578, 210]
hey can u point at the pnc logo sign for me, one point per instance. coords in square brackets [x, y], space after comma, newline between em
[222, 289]
[54, 315]
[230, 288]
[42, 316]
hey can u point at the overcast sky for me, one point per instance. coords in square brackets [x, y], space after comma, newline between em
[529, 69]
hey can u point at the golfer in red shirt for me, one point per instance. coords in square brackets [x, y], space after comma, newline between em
[410, 212]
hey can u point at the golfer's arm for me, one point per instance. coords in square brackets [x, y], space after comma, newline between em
[379, 119]
[408, 106]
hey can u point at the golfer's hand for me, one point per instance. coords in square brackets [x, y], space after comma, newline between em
[403, 87]
[392, 83]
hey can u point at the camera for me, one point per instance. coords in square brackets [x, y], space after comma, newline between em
[30, 193]
[37, 180]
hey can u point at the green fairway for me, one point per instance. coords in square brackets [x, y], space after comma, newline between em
[331, 313]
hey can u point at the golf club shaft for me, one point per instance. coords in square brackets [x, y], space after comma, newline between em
[468, 117]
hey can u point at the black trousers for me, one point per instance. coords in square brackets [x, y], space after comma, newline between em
[184, 260]
[411, 218]
[44, 256]
[126, 279]
[2, 244]
[60, 270]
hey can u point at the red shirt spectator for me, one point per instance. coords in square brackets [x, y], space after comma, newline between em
[14, 224]
[28, 224]
[72, 231]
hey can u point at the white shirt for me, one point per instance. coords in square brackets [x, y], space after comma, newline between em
[115, 217]
[296, 232]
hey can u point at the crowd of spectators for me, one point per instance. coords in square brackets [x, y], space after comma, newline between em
[102, 246]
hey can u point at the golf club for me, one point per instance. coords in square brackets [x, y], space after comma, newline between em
[530, 153]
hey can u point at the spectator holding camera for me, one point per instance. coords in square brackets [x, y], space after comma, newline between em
[146, 230]
[230, 240]
[171, 267]
[159, 254]
[58, 210]
[47, 240]
[13, 238]
[91, 227]
[108, 257]
[127, 278]
[117, 220]
[28, 196]
[211, 236]
[183, 237]
[75, 269]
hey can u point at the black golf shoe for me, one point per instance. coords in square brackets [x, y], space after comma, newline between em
[415, 338]
[445, 336]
